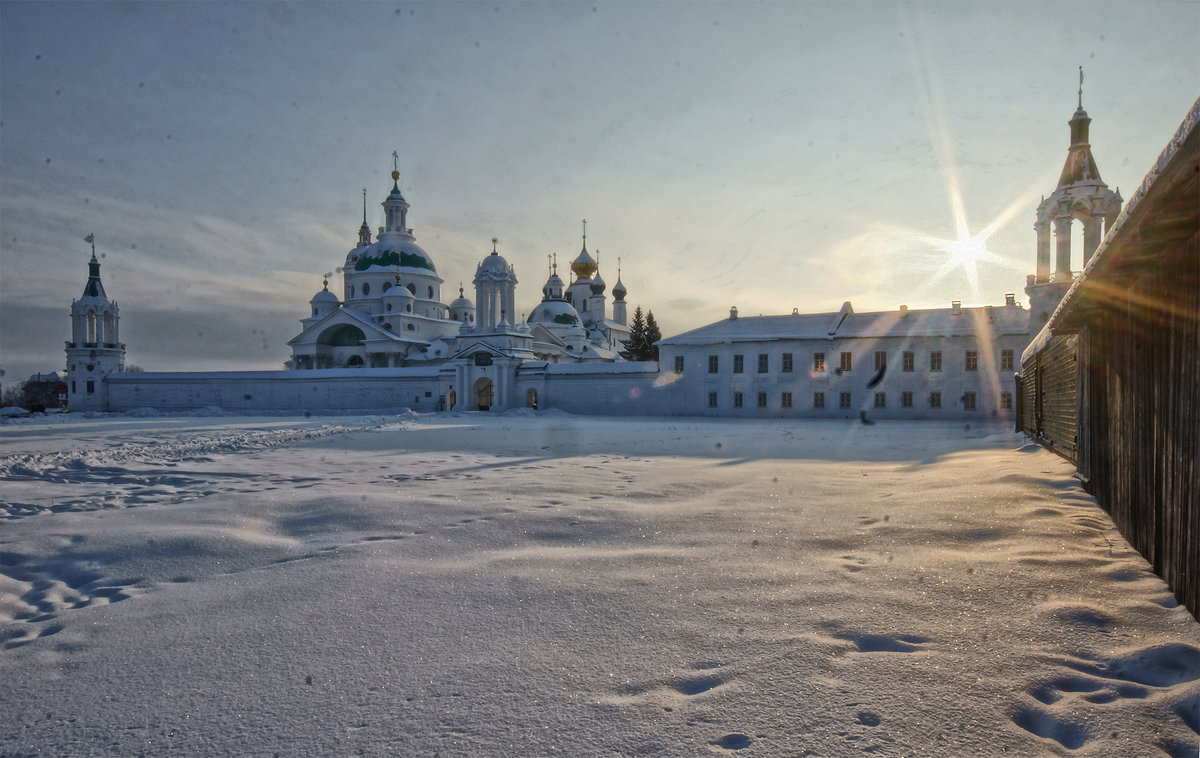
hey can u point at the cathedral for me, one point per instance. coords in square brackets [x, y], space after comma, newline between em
[391, 313]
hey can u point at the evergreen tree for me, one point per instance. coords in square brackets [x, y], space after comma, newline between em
[652, 335]
[643, 333]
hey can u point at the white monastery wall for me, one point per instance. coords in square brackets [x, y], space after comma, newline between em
[342, 389]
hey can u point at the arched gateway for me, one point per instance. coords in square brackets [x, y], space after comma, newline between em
[484, 394]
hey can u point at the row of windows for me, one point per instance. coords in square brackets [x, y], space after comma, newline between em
[366, 289]
[845, 400]
[908, 362]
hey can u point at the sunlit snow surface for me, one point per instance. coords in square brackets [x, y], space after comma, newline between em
[475, 585]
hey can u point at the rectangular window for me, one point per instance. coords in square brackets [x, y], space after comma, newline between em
[880, 399]
[818, 363]
[935, 400]
[972, 360]
[935, 360]
[91, 386]
[763, 362]
[910, 360]
[679, 364]
[787, 363]
[713, 364]
[818, 399]
[906, 400]
[73, 390]
[845, 361]
[786, 400]
[762, 400]
[880, 360]
[712, 400]
[844, 400]
[969, 401]
[737, 400]
[1006, 360]
[737, 364]
[1006, 401]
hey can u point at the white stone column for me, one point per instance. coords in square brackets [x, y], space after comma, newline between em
[1043, 250]
[1062, 240]
[1091, 236]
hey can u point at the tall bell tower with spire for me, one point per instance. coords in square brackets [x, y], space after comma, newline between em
[95, 349]
[1081, 195]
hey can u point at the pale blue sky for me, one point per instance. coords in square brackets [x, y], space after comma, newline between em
[764, 155]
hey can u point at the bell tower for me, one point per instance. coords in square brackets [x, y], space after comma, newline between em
[1081, 196]
[95, 349]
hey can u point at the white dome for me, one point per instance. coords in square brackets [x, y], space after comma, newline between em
[555, 314]
[390, 253]
[462, 302]
[324, 296]
[494, 266]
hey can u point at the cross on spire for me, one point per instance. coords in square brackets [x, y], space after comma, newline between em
[494, 241]
[395, 161]
[364, 206]
[1081, 87]
[585, 232]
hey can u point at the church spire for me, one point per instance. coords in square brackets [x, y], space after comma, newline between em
[93, 288]
[364, 231]
[1080, 165]
[395, 207]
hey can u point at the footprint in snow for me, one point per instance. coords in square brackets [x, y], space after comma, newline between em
[1168, 669]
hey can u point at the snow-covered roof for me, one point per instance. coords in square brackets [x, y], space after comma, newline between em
[932, 322]
[281, 375]
[620, 367]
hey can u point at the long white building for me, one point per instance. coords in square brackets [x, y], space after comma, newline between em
[941, 363]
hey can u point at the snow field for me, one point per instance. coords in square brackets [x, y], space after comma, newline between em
[531, 584]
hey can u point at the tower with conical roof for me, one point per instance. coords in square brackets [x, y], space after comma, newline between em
[95, 349]
[1081, 195]
[619, 292]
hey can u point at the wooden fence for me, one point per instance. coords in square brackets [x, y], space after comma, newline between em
[1113, 383]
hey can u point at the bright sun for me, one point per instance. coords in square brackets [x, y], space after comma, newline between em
[967, 250]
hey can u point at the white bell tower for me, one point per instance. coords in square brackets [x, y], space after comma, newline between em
[1081, 195]
[95, 349]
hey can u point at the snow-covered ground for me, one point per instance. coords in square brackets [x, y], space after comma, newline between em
[521, 584]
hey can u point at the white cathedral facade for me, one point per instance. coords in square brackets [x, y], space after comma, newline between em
[391, 312]
[390, 341]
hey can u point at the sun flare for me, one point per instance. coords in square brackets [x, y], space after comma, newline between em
[967, 250]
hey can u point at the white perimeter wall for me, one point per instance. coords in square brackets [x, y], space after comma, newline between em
[348, 389]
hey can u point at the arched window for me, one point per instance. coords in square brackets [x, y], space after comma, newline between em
[431, 292]
[411, 328]
[389, 306]
[366, 289]
[351, 290]
[408, 307]
[387, 286]
[412, 289]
